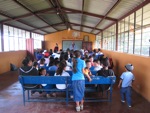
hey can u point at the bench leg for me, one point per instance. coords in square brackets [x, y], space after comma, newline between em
[67, 97]
[28, 94]
[24, 97]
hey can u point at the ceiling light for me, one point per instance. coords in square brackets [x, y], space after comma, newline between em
[69, 29]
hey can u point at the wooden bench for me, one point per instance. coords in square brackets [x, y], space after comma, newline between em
[63, 80]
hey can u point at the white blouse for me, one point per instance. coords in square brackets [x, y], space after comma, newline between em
[62, 86]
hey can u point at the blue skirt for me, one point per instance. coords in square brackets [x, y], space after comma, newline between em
[78, 89]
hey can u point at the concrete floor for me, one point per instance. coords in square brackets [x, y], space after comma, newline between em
[11, 101]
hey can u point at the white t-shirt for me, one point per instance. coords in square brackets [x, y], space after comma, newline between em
[98, 68]
[62, 86]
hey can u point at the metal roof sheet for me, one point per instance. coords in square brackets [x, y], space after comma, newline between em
[76, 27]
[23, 26]
[36, 5]
[11, 8]
[124, 7]
[3, 18]
[73, 4]
[33, 20]
[98, 6]
[86, 29]
[40, 32]
[104, 24]
[49, 29]
[51, 18]
[61, 27]
[74, 18]
[90, 21]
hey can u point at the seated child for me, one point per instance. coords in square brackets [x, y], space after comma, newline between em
[97, 65]
[42, 72]
[87, 71]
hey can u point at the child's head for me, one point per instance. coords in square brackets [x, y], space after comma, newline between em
[88, 63]
[129, 67]
[42, 71]
[35, 64]
[61, 67]
[91, 58]
[42, 61]
[96, 63]
[27, 62]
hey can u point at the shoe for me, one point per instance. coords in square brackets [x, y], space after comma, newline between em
[32, 93]
[48, 95]
[122, 101]
[71, 96]
[129, 106]
[53, 94]
[78, 108]
[81, 107]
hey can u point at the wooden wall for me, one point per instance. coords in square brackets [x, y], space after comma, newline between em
[141, 70]
[14, 57]
[58, 37]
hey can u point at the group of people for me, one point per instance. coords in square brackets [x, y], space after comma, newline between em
[81, 63]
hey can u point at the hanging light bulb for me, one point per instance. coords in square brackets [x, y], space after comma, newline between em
[69, 29]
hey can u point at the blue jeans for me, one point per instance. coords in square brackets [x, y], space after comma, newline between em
[127, 92]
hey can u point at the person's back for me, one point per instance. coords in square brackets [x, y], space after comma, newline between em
[125, 84]
[127, 78]
[79, 74]
[105, 72]
[61, 72]
[27, 70]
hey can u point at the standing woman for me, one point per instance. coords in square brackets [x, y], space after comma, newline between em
[78, 80]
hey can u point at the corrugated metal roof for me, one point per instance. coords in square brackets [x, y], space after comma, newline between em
[40, 32]
[69, 11]
[36, 5]
[104, 24]
[76, 27]
[74, 18]
[124, 7]
[73, 4]
[61, 27]
[11, 8]
[23, 26]
[95, 31]
[3, 18]
[86, 29]
[90, 21]
[51, 18]
[33, 20]
[98, 6]
[49, 29]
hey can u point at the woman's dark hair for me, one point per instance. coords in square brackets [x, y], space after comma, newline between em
[40, 70]
[35, 64]
[51, 61]
[26, 61]
[77, 55]
[105, 62]
[61, 67]
[87, 61]
[42, 61]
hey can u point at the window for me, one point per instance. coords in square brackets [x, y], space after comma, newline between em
[109, 38]
[0, 41]
[138, 32]
[14, 38]
[146, 31]
[37, 40]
